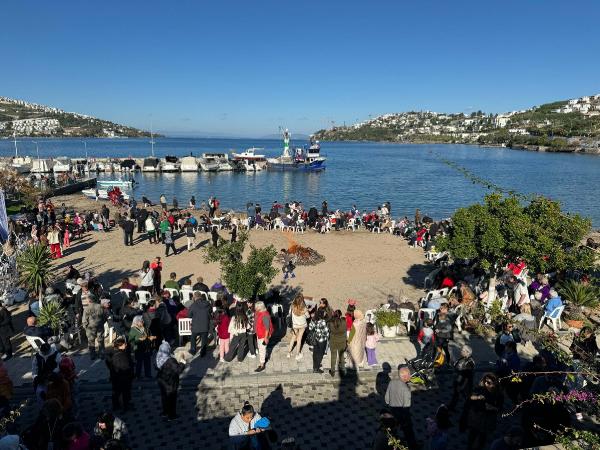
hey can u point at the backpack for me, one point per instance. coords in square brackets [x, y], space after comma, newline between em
[439, 357]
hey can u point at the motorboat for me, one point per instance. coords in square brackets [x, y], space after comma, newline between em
[42, 166]
[209, 162]
[62, 165]
[189, 164]
[151, 164]
[299, 159]
[250, 161]
[170, 164]
[127, 184]
[128, 165]
[103, 194]
[21, 164]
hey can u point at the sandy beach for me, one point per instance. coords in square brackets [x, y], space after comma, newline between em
[359, 265]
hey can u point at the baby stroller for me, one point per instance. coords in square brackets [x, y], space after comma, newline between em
[423, 366]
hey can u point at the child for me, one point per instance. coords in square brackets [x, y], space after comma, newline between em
[288, 265]
[349, 316]
[426, 336]
[371, 344]
[223, 319]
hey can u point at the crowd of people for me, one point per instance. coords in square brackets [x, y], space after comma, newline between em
[145, 316]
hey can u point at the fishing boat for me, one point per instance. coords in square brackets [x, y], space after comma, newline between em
[151, 164]
[170, 164]
[62, 165]
[249, 160]
[299, 159]
[189, 164]
[103, 194]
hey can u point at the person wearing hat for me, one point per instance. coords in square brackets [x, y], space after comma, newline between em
[45, 362]
[169, 370]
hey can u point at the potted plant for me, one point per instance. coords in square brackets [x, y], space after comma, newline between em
[577, 297]
[387, 321]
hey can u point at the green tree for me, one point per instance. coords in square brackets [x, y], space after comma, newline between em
[247, 279]
[35, 268]
[502, 230]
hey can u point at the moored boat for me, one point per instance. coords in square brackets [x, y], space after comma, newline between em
[189, 164]
[62, 165]
[250, 161]
[299, 159]
[170, 164]
[151, 164]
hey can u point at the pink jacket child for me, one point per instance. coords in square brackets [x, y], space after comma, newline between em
[223, 320]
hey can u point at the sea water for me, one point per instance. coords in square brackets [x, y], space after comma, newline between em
[364, 174]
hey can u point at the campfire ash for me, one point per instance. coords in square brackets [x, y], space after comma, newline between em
[303, 256]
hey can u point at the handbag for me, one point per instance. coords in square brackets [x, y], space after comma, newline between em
[311, 338]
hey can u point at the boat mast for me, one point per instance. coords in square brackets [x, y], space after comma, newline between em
[152, 139]
[15, 141]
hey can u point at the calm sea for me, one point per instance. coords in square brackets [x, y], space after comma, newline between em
[365, 174]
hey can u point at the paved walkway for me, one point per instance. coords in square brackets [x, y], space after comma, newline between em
[279, 367]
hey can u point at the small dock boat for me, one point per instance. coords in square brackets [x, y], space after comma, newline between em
[151, 164]
[250, 161]
[170, 164]
[189, 164]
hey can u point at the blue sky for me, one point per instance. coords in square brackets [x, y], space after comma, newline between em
[245, 68]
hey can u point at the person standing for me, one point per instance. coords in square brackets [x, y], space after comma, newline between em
[175, 204]
[120, 366]
[93, 323]
[318, 326]
[200, 313]
[141, 344]
[169, 371]
[299, 315]
[371, 345]
[146, 277]
[157, 267]
[151, 230]
[264, 330]
[54, 241]
[398, 397]
[233, 233]
[193, 202]
[463, 377]
[215, 236]
[105, 214]
[6, 332]
[169, 241]
[337, 343]
[163, 202]
[128, 227]
[141, 220]
[357, 340]
[190, 235]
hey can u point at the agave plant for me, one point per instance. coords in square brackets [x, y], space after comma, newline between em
[35, 268]
[52, 314]
[579, 294]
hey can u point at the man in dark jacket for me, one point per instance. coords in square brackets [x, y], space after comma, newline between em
[105, 214]
[128, 227]
[141, 220]
[120, 366]
[200, 313]
[200, 286]
[6, 332]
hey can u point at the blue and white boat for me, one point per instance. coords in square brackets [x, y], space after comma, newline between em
[299, 159]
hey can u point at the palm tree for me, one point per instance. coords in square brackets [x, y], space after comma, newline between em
[35, 268]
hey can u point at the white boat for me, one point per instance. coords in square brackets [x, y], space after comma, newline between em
[151, 164]
[120, 183]
[170, 164]
[250, 160]
[128, 165]
[42, 166]
[102, 194]
[215, 162]
[189, 164]
[62, 165]
[21, 164]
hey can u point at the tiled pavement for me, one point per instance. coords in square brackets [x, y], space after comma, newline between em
[320, 412]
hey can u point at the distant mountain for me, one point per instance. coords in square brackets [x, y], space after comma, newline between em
[30, 119]
[567, 125]
[297, 136]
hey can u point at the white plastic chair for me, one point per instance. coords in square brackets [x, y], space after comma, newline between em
[557, 312]
[184, 327]
[426, 313]
[186, 295]
[143, 297]
[127, 292]
[351, 224]
[212, 296]
[174, 292]
[406, 316]
[278, 223]
[370, 316]
[35, 342]
[300, 226]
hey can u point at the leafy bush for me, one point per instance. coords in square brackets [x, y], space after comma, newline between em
[579, 294]
[52, 314]
[35, 267]
[387, 318]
